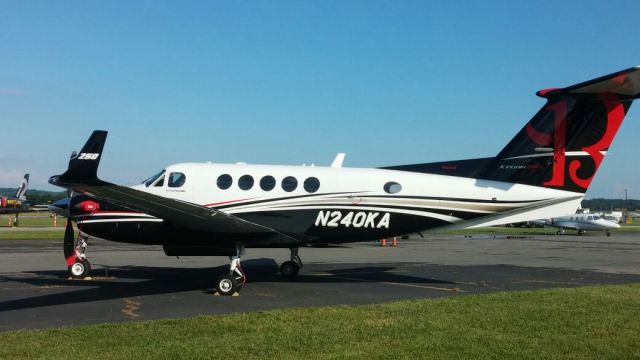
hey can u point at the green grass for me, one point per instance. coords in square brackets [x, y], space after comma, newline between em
[32, 219]
[32, 235]
[579, 323]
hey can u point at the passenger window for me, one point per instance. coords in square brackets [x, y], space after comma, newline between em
[392, 187]
[312, 184]
[245, 182]
[267, 183]
[289, 184]
[590, 218]
[225, 181]
[160, 182]
[176, 179]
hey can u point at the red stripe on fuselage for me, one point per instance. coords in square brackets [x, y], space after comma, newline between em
[226, 202]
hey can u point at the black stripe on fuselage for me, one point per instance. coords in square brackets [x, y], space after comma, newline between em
[464, 215]
[231, 206]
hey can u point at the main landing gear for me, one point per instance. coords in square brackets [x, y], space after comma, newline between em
[231, 283]
[291, 268]
[80, 268]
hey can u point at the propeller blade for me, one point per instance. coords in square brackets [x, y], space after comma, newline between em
[74, 154]
[68, 244]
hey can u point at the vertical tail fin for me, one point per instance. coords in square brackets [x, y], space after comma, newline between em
[83, 166]
[21, 193]
[563, 145]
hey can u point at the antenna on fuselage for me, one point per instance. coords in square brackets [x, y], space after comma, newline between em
[337, 162]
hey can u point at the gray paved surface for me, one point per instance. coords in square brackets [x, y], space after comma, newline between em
[133, 282]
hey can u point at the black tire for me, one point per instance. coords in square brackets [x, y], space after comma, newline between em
[289, 269]
[80, 269]
[227, 285]
[608, 233]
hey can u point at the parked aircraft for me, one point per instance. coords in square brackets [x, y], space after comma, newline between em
[221, 209]
[18, 203]
[581, 222]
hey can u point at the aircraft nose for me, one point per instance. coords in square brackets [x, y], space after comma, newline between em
[60, 207]
[610, 224]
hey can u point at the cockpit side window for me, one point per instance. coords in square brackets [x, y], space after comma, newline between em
[176, 179]
[152, 179]
[159, 183]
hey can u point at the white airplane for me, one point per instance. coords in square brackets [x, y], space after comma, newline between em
[221, 209]
[581, 222]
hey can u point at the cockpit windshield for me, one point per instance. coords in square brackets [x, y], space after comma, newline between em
[151, 180]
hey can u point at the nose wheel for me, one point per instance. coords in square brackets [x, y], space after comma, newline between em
[291, 268]
[80, 268]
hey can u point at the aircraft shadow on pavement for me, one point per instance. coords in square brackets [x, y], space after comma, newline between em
[131, 281]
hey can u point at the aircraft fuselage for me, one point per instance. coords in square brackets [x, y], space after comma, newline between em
[318, 204]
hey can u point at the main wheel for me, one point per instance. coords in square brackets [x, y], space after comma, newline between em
[289, 269]
[80, 269]
[227, 285]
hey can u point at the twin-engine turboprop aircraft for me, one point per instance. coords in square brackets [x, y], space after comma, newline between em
[221, 209]
[581, 222]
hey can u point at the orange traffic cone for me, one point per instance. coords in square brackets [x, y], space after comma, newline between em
[383, 242]
[394, 242]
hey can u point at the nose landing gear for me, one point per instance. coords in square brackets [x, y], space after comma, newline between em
[80, 268]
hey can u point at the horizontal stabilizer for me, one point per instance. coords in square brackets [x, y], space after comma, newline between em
[623, 84]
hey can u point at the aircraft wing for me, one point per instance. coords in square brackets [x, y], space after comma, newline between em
[81, 176]
[178, 212]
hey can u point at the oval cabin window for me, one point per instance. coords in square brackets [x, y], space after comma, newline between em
[289, 184]
[267, 183]
[312, 184]
[245, 182]
[225, 181]
[392, 187]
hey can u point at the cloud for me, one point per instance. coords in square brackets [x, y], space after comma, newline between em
[12, 91]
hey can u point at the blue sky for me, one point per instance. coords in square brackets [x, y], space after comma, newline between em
[292, 82]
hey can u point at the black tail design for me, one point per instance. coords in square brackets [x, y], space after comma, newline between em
[563, 145]
[83, 166]
[21, 193]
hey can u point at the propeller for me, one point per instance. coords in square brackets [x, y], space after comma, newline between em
[68, 244]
